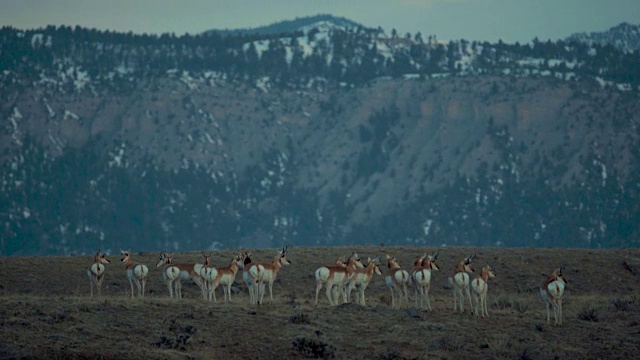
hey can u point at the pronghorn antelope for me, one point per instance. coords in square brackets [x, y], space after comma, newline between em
[96, 271]
[252, 283]
[459, 281]
[208, 274]
[270, 271]
[170, 274]
[361, 279]
[480, 286]
[136, 273]
[336, 275]
[184, 271]
[551, 291]
[226, 277]
[421, 278]
[396, 278]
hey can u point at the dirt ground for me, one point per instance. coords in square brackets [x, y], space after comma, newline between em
[46, 311]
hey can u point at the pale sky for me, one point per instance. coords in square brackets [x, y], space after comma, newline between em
[509, 20]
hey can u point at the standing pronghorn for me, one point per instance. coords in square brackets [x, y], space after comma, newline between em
[270, 271]
[551, 291]
[96, 271]
[480, 286]
[226, 277]
[208, 274]
[184, 271]
[362, 278]
[336, 275]
[136, 273]
[252, 283]
[396, 278]
[170, 274]
[459, 280]
[421, 279]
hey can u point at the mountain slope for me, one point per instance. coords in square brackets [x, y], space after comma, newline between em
[189, 143]
[291, 26]
[625, 37]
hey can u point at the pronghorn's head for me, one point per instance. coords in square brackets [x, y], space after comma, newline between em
[430, 262]
[488, 271]
[282, 254]
[165, 259]
[419, 260]
[392, 263]
[125, 256]
[206, 258]
[341, 262]
[468, 267]
[101, 258]
[355, 261]
[376, 265]
[558, 274]
[246, 256]
[239, 260]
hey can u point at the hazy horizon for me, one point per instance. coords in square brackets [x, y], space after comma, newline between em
[490, 20]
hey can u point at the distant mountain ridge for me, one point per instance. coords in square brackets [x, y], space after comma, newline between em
[290, 26]
[329, 136]
[624, 36]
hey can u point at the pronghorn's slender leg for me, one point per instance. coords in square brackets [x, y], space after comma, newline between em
[318, 288]
[329, 292]
[393, 298]
[96, 272]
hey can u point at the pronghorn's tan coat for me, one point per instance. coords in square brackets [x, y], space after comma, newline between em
[336, 276]
[552, 292]
[208, 274]
[421, 279]
[460, 282]
[226, 277]
[397, 280]
[270, 271]
[480, 287]
[136, 273]
[250, 281]
[173, 274]
[96, 271]
[362, 278]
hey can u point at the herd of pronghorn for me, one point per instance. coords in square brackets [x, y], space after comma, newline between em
[338, 279]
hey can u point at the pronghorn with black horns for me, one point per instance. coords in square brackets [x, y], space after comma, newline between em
[226, 277]
[136, 273]
[552, 290]
[96, 271]
[170, 274]
[252, 284]
[208, 274]
[480, 287]
[362, 278]
[270, 271]
[397, 280]
[421, 279]
[336, 276]
[460, 281]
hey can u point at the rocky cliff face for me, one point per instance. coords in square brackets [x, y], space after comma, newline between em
[187, 161]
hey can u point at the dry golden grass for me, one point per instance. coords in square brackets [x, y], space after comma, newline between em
[46, 312]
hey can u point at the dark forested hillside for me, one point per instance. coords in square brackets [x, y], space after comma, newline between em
[324, 136]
